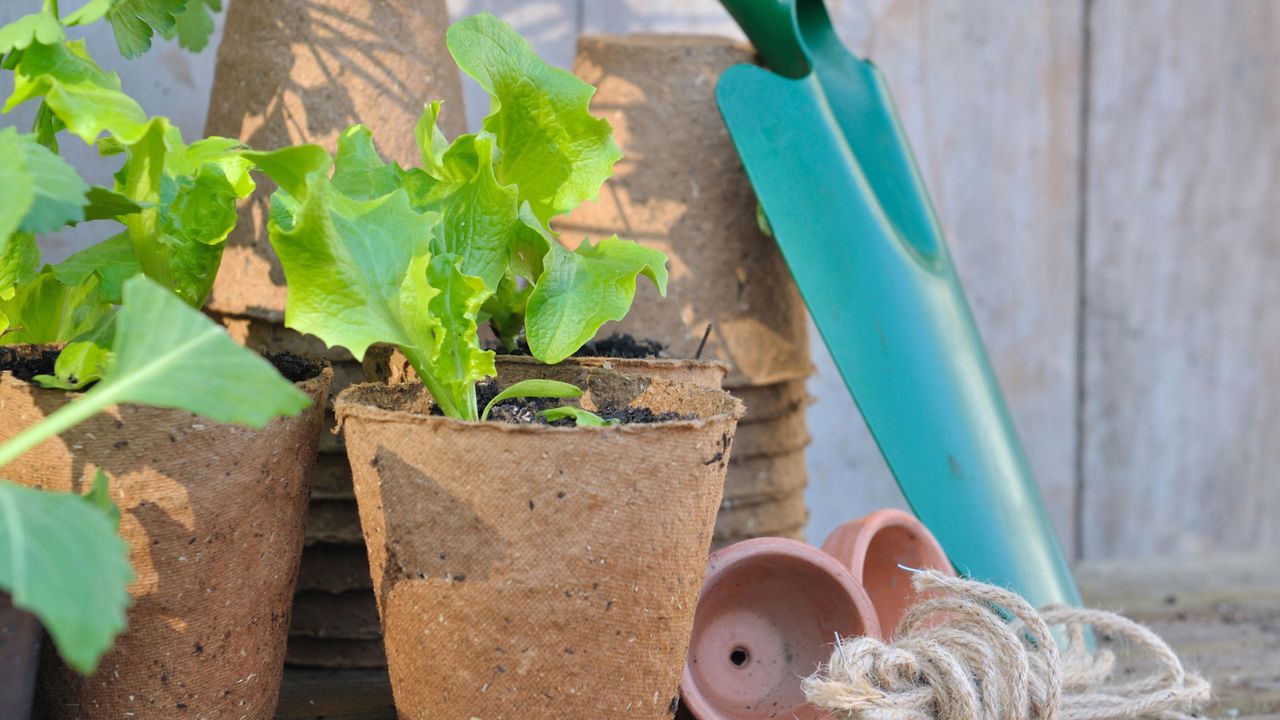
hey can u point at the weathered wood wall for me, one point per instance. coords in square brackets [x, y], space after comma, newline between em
[1107, 172]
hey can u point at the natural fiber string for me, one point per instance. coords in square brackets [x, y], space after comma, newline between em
[956, 658]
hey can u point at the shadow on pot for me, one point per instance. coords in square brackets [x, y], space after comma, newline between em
[768, 614]
[19, 657]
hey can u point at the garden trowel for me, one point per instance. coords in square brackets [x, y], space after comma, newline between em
[841, 192]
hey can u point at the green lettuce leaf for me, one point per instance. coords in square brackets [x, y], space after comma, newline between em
[187, 195]
[61, 559]
[584, 289]
[39, 191]
[83, 96]
[47, 311]
[134, 22]
[458, 362]
[84, 360]
[535, 388]
[553, 150]
[195, 24]
[112, 260]
[582, 418]
[40, 28]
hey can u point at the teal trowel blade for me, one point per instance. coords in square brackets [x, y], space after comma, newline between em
[846, 203]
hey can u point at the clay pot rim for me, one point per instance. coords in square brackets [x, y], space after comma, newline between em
[325, 373]
[869, 526]
[350, 403]
[725, 559]
[610, 363]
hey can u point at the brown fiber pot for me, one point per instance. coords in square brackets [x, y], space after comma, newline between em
[301, 71]
[213, 515]
[387, 364]
[19, 657]
[684, 192]
[525, 567]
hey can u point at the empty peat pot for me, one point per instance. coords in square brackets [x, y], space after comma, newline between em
[20, 634]
[213, 516]
[525, 570]
[875, 549]
[767, 617]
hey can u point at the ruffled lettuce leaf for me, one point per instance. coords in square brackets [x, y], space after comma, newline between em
[46, 311]
[40, 28]
[86, 99]
[583, 289]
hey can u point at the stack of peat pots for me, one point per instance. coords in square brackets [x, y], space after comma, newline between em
[295, 71]
[681, 188]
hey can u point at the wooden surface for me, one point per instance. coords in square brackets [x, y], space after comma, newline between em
[1221, 615]
[1182, 344]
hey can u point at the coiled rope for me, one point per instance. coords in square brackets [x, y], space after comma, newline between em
[956, 658]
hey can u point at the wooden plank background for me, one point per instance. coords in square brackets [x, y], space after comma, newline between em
[1106, 172]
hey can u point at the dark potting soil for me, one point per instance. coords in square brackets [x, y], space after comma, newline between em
[28, 361]
[527, 411]
[623, 346]
[294, 368]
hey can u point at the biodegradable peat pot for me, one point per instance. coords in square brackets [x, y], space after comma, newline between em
[213, 516]
[383, 363]
[685, 192]
[528, 566]
[873, 548]
[767, 616]
[20, 634]
[301, 71]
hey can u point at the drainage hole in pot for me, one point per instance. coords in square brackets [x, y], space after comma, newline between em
[739, 657]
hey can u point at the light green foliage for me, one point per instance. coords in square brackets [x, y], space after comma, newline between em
[583, 418]
[581, 290]
[61, 559]
[419, 257]
[46, 311]
[136, 22]
[83, 96]
[39, 192]
[533, 389]
[168, 355]
[194, 26]
[42, 28]
[112, 260]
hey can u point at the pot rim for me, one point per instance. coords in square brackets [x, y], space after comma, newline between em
[725, 559]
[349, 404]
[865, 529]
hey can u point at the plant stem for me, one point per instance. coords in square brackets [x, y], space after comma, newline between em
[448, 405]
[63, 419]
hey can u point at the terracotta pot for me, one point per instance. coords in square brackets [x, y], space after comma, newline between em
[213, 516]
[301, 71]
[686, 194]
[20, 634]
[767, 617]
[528, 566]
[383, 363]
[873, 548]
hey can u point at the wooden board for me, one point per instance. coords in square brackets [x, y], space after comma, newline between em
[1221, 615]
[1182, 341]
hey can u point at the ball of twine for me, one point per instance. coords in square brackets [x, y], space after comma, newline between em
[956, 658]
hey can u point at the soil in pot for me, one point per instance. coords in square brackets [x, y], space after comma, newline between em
[20, 634]
[213, 516]
[543, 567]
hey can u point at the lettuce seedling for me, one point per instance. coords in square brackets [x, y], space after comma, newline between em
[419, 257]
[60, 556]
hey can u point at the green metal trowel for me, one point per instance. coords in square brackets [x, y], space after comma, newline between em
[839, 187]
